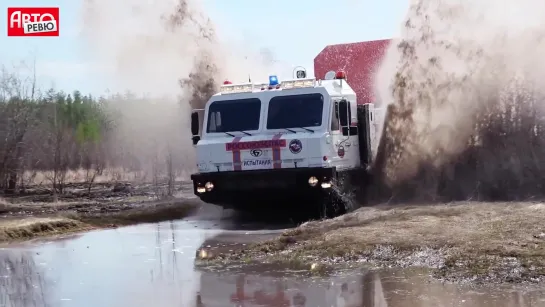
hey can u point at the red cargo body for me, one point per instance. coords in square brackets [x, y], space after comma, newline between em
[359, 60]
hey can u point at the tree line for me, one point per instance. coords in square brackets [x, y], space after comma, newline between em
[54, 132]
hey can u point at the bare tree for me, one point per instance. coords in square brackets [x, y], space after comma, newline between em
[170, 172]
[17, 109]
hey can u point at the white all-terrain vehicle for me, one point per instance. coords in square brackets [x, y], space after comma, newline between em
[282, 142]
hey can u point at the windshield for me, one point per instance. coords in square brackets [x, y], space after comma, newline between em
[295, 111]
[234, 115]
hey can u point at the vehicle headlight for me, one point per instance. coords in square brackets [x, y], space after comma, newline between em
[209, 186]
[313, 181]
[326, 185]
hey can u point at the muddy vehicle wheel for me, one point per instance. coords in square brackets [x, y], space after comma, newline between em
[333, 204]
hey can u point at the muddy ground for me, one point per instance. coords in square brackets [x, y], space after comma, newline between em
[34, 213]
[480, 242]
[476, 241]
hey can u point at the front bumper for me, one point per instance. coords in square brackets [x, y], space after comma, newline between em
[217, 183]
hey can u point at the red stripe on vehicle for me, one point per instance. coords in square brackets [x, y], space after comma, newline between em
[237, 162]
[277, 160]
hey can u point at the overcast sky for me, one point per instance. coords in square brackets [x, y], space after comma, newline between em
[283, 26]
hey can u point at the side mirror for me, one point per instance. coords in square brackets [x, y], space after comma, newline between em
[195, 139]
[343, 113]
[195, 123]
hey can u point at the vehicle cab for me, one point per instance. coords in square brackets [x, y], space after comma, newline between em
[280, 138]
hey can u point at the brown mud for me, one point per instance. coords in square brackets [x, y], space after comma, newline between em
[33, 213]
[481, 242]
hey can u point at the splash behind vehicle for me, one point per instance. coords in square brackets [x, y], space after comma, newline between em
[283, 142]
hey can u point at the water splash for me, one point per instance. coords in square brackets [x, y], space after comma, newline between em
[464, 88]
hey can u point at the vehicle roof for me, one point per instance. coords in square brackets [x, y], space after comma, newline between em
[332, 87]
[360, 62]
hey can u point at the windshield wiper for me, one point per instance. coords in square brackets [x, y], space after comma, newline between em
[307, 129]
[230, 134]
[244, 132]
[292, 131]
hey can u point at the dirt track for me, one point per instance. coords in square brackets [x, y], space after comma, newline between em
[34, 214]
[489, 242]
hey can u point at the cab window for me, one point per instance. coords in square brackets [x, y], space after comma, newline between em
[234, 115]
[295, 111]
[334, 117]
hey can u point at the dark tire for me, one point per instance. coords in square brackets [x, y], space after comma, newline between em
[332, 204]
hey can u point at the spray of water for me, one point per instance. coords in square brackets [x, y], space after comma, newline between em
[464, 85]
[172, 52]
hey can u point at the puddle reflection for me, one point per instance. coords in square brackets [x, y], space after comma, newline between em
[22, 281]
[369, 289]
[154, 265]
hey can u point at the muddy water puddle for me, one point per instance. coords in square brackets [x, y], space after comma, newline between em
[154, 265]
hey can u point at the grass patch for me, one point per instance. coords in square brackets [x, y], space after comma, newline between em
[151, 214]
[27, 229]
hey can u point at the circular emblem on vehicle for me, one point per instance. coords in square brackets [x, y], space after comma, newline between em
[256, 152]
[296, 146]
[340, 151]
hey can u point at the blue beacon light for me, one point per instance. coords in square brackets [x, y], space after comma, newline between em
[273, 80]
